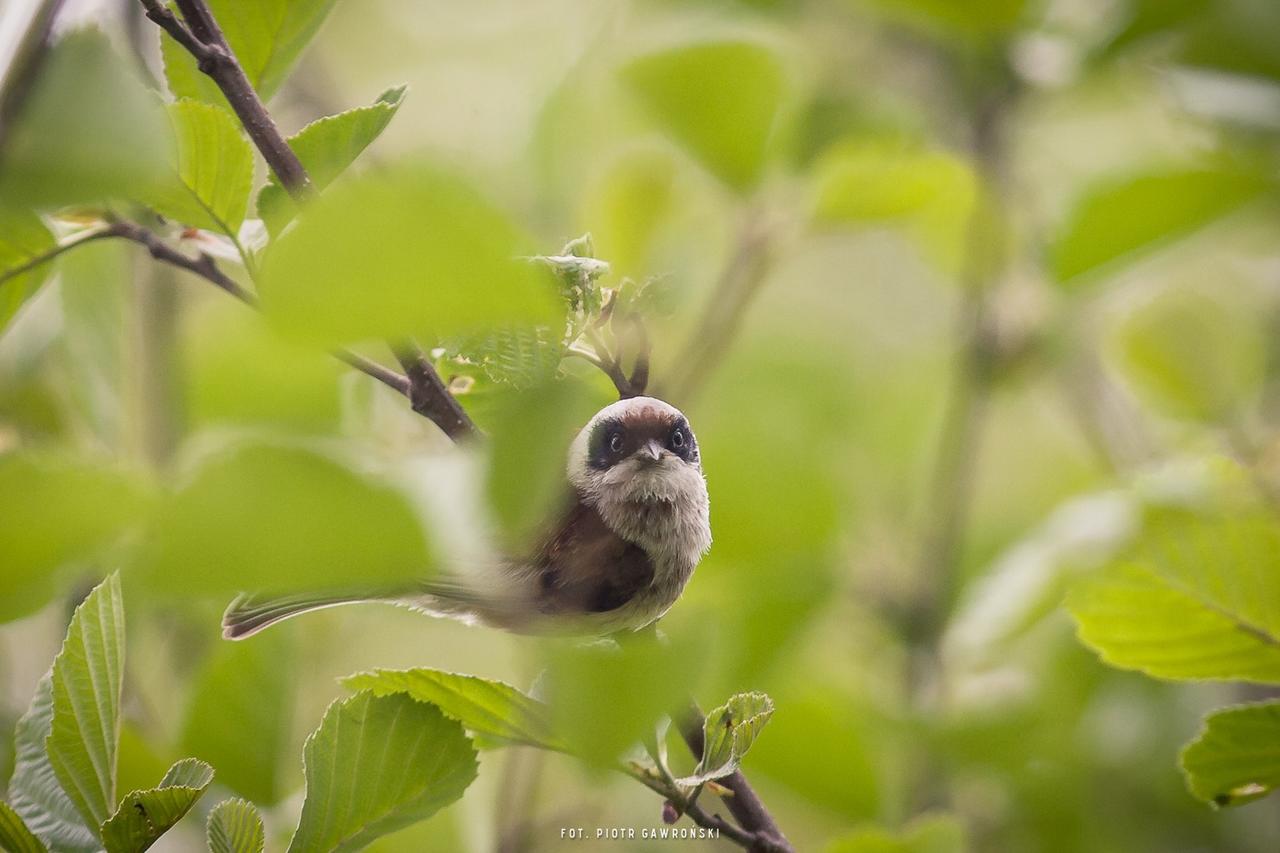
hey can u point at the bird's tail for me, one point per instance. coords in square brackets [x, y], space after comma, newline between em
[249, 614]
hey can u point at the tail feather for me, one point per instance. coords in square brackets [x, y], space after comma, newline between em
[249, 614]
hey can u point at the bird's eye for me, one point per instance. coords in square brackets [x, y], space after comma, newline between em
[677, 438]
[615, 443]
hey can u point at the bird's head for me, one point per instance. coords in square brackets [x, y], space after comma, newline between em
[639, 449]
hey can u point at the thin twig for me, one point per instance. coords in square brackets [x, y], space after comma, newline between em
[204, 266]
[742, 837]
[17, 77]
[743, 802]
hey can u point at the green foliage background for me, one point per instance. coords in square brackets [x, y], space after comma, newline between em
[972, 308]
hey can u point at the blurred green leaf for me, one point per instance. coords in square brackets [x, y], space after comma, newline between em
[326, 148]
[88, 131]
[235, 827]
[719, 99]
[34, 790]
[529, 444]
[1236, 36]
[929, 834]
[57, 510]
[88, 680]
[377, 764]
[628, 205]
[1193, 354]
[434, 259]
[1199, 599]
[14, 835]
[214, 166]
[144, 816]
[1118, 221]
[826, 747]
[271, 518]
[1233, 760]
[931, 193]
[240, 371]
[23, 238]
[996, 18]
[606, 698]
[244, 687]
[728, 732]
[267, 38]
[496, 713]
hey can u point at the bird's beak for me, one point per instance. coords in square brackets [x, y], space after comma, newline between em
[651, 452]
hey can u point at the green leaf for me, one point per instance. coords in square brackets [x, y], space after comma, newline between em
[948, 19]
[1193, 354]
[57, 511]
[434, 259]
[1199, 599]
[326, 148]
[88, 676]
[34, 790]
[144, 816]
[23, 237]
[14, 835]
[244, 687]
[273, 518]
[530, 441]
[240, 371]
[88, 130]
[235, 827]
[377, 764]
[485, 708]
[929, 834]
[214, 166]
[728, 733]
[627, 207]
[718, 99]
[1120, 220]
[606, 699]
[931, 194]
[1234, 759]
[267, 38]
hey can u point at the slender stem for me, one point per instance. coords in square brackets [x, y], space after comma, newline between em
[725, 311]
[742, 837]
[17, 76]
[79, 239]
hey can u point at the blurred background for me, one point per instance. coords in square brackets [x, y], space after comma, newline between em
[948, 290]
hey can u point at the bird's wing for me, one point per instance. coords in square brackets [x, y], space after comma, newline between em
[585, 567]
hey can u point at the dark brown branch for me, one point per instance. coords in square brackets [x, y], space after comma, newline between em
[742, 837]
[430, 397]
[745, 804]
[203, 39]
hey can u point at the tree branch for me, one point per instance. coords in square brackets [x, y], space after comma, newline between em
[203, 39]
[430, 397]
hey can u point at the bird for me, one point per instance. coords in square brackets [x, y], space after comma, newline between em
[634, 525]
